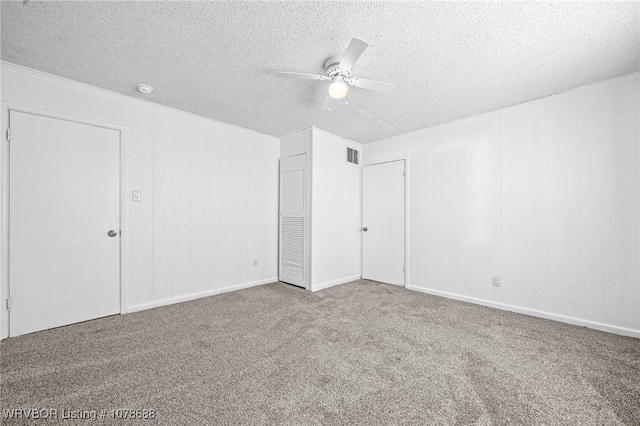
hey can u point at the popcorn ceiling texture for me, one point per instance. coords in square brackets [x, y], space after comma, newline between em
[218, 59]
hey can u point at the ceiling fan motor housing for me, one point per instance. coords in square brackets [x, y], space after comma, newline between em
[332, 67]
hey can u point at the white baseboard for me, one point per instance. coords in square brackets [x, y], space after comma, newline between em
[533, 312]
[327, 284]
[192, 296]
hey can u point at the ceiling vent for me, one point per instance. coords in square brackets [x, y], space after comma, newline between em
[352, 156]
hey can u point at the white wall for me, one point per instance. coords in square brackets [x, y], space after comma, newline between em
[333, 255]
[544, 195]
[336, 217]
[209, 191]
[295, 143]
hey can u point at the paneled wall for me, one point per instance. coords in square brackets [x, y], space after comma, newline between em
[209, 191]
[336, 216]
[335, 186]
[543, 195]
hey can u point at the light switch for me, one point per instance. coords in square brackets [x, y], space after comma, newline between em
[136, 196]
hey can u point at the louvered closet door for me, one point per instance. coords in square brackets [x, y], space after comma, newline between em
[293, 205]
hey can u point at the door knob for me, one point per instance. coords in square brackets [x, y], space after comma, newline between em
[112, 233]
[365, 229]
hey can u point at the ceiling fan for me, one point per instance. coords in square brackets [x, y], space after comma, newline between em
[338, 70]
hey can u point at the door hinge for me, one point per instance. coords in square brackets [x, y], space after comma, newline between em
[403, 269]
[8, 134]
[404, 173]
[8, 304]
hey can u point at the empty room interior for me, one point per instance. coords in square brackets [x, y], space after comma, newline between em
[320, 213]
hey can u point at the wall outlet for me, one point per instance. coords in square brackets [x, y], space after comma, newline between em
[255, 262]
[136, 196]
[496, 281]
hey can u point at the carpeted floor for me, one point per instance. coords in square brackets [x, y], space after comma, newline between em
[361, 353]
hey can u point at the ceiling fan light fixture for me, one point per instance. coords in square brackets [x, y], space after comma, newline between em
[338, 89]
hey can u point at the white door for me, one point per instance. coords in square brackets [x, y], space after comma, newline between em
[383, 222]
[293, 207]
[64, 267]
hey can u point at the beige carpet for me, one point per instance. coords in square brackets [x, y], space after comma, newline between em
[361, 353]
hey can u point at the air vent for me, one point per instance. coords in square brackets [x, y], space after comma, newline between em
[352, 156]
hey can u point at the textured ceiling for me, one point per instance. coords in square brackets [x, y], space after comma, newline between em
[218, 59]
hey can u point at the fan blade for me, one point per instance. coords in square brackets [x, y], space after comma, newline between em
[369, 114]
[377, 86]
[325, 103]
[302, 75]
[353, 52]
